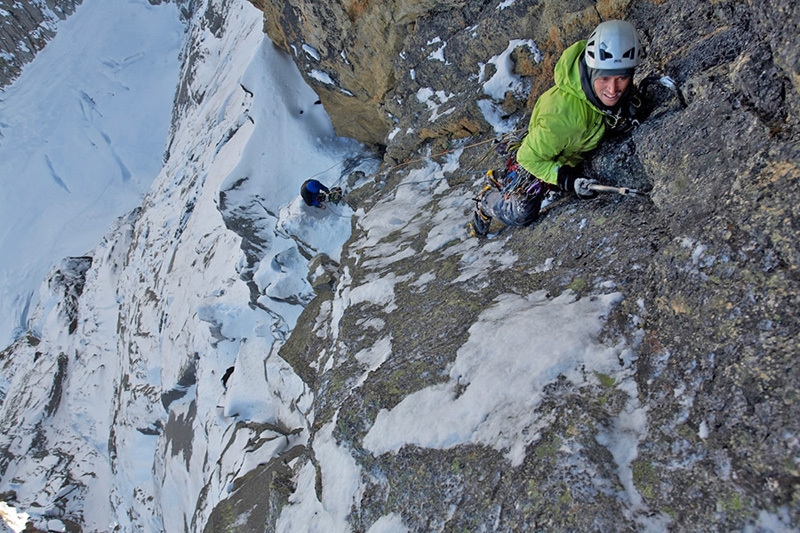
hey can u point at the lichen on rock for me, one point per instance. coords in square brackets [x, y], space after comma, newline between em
[707, 265]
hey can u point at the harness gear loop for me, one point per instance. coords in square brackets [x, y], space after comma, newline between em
[516, 181]
[334, 196]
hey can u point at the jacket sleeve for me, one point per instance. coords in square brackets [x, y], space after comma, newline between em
[561, 130]
[551, 132]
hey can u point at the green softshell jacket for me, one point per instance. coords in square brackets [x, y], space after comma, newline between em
[564, 125]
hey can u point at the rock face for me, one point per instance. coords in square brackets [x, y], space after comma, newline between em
[708, 264]
[369, 61]
[25, 28]
[695, 428]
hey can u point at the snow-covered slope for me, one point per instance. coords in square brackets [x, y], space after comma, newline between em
[82, 136]
[115, 413]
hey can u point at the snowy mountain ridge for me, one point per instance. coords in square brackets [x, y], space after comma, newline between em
[100, 399]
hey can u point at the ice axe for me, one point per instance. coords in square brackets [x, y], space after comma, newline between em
[619, 190]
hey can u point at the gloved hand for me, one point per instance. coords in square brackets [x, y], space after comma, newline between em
[582, 188]
[570, 180]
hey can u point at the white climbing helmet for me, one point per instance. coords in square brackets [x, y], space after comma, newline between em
[613, 45]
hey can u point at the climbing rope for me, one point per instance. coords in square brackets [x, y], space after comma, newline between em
[335, 213]
[393, 168]
[665, 81]
[452, 150]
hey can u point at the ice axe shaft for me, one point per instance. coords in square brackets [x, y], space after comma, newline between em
[619, 190]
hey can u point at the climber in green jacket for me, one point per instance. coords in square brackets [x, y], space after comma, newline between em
[593, 93]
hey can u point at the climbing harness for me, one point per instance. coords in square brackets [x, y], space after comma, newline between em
[334, 196]
[513, 179]
[624, 120]
[519, 182]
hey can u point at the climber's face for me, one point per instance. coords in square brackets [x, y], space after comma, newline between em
[609, 89]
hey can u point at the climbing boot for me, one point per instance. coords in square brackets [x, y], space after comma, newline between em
[479, 225]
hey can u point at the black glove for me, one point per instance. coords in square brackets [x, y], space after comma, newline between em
[570, 179]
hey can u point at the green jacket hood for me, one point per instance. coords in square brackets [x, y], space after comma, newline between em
[567, 74]
[564, 125]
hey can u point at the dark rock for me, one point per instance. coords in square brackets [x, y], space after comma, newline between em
[708, 264]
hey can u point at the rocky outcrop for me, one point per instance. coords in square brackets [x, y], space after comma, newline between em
[374, 65]
[25, 28]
